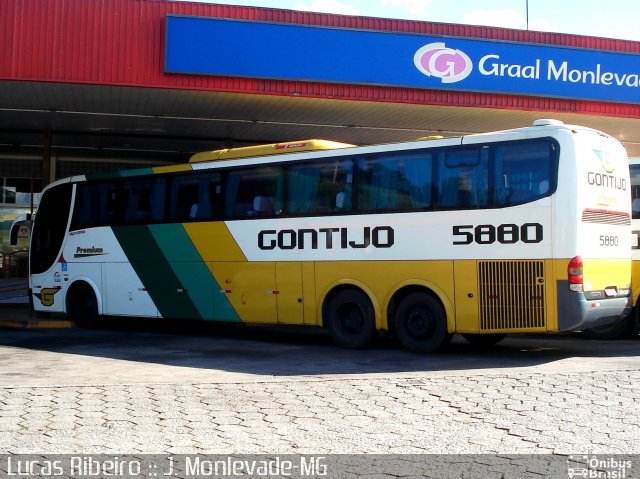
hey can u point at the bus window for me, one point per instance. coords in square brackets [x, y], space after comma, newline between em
[145, 201]
[97, 204]
[184, 199]
[302, 190]
[254, 192]
[319, 188]
[399, 181]
[336, 183]
[87, 207]
[523, 172]
[634, 170]
[463, 178]
[211, 196]
[119, 202]
[194, 198]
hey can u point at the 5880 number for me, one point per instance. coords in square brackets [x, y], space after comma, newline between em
[609, 240]
[505, 234]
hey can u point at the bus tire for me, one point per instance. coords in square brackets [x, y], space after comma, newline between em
[421, 323]
[83, 306]
[350, 319]
[484, 339]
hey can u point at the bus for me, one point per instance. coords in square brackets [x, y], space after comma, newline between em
[629, 324]
[517, 231]
[632, 325]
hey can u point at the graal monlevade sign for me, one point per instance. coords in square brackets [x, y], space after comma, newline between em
[211, 46]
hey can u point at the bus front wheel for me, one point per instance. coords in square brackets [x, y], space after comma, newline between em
[421, 323]
[350, 319]
[83, 306]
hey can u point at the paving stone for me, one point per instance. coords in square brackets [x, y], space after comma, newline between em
[514, 413]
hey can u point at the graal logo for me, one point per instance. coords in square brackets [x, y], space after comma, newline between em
[448, 64]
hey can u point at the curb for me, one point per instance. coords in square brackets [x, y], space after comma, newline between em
[36, 324]
[20, 316]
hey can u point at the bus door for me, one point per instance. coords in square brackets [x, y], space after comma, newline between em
[295, 283]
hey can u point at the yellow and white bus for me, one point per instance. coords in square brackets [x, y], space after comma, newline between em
[517, 231]
[629, 324]
[633, 322]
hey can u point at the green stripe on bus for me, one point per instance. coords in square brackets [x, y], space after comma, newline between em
[103, 176]
[185, 260]
[110, 175]
[158, 277]
[137, 172]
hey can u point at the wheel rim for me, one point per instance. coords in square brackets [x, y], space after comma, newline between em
[420, 323]
[351, 319]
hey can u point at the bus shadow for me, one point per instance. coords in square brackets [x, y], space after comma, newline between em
[277, 351]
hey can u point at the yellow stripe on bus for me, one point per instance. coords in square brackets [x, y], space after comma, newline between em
[172, 168]
[214, 242]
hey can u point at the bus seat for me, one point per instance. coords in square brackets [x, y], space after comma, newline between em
[340, 200]
[262, 206]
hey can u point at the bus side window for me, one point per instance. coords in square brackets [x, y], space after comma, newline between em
[303, 196]
[395, 181]
[463, 176]
[418, 178]
[254, 192]
[196, 198]
[86, 209]
[378, 183]
[214, 201]
[335, 187]
[319, 187]
[524, 172]
[634, 171]
[94, 205]
[145, 201]
[184, 199]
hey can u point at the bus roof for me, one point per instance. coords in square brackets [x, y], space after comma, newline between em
[270, 149]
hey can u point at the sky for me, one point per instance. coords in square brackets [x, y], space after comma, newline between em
[608, 18]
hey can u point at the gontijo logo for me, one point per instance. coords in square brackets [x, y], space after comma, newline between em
[448, 64]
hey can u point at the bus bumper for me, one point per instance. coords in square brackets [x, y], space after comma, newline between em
[576, 312]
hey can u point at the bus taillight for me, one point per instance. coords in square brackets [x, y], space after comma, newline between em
[574, 271]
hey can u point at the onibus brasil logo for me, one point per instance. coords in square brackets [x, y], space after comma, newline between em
[448, 64]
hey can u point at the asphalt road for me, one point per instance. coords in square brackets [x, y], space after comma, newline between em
[140, 351]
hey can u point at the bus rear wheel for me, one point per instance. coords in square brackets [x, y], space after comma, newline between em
[350, 319]
[421, 323]
[83, 306]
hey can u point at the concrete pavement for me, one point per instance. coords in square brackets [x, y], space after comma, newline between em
[131, 389]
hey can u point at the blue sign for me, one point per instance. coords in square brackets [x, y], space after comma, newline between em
[212, 46]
